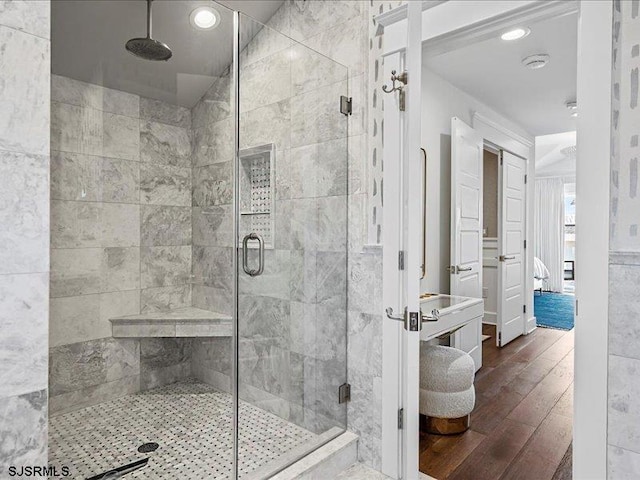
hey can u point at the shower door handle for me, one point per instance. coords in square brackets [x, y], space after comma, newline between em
[245, 254]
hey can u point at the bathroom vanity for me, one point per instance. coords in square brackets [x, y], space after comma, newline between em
[443, 315]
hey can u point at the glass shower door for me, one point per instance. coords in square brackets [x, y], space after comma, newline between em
[291, 224]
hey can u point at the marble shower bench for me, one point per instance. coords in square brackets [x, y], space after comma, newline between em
[181, 322]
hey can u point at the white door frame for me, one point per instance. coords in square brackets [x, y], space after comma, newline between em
[455, 23]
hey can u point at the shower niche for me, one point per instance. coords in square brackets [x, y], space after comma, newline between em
[257, 170]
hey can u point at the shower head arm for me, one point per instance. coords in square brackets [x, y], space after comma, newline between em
[149, 18]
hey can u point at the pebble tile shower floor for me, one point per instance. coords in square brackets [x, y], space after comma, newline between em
[191, 421]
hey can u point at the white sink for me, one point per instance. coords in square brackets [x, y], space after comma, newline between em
[452, 312]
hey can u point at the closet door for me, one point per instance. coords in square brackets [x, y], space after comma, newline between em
[511, 234]
[466, 228]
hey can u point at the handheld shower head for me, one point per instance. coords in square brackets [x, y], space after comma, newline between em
[147, 47]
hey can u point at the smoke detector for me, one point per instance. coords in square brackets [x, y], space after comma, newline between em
[536, 61]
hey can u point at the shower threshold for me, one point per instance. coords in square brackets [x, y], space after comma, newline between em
[192, 423]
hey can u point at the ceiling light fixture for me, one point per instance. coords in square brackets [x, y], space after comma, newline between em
[573, 108]
[515, 34]
[536, 61]
[204, 18]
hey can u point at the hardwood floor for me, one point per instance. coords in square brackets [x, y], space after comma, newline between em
[521, 427]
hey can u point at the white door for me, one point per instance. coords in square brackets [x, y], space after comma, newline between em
[511, 234]
[466, 229]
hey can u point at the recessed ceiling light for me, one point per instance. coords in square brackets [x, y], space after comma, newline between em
[204, 18]
[515, 34]
[536, 61]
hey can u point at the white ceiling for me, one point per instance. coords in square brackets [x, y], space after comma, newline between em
[492, 72]
[554, 155]
[88, 39]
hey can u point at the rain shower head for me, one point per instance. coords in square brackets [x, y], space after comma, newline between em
[147, 47]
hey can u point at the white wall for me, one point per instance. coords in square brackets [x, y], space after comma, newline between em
[441, 101]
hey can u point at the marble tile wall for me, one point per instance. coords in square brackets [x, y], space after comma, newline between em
[24, 231]
[120, 236]
[624, 256]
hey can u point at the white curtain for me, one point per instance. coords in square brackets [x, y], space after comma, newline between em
[548, 238]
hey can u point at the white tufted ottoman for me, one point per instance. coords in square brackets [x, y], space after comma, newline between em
[447, 396]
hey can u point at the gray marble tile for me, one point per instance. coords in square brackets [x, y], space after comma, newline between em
[158, 377]
[165, 185]
[120, 225]
[303, 276]
[357, 163]
[159, 299]
[214, 143]
[331, 279]
[76, 319]
[212, 354]
[274, 282]
[265, 81]
[364, 415]
[213, 185]
[120, 181]
[86, 317]
[121, 137]
[120, 269]
[309, 18]
[161, 112]
[23, 423]
[318, 332]
[120, 103]
[88, 364]
[30, 16]
[137, 330]
[74, 92]
[622, 464]
[345, 43]
[162, 225]
[304, 224]
[24, 324]
[624, 311]
[321, 381]
[212, 298]
[75, 176]
[264, 367]
[365, 343]
[165, 266]
[365, 284]
[163, 144]
[76, 224]
[283, 174]
[213, 267]
[213, 226]
[317, 117]
[269, 40]
[360, 471]
[624, 413]
[311, 70]
[24, 213]
[76, 271]
[74, 400]
[332, 223]
[25, 63]
[163, 352]
[270, 124]
[357, 230]
[358, 93]
[76, 129]
[319, 170]
[264, 323]
[210, 110]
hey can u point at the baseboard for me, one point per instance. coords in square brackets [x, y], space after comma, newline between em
[531, 325]
[490, 318]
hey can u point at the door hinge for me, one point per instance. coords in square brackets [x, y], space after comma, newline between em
[401, 419]
[346, 105]
[501, 157]
[401, 260]
[525, 178]
[576, 307]
[524, 309]
[500, 338]
[525, 244]
[344, 393]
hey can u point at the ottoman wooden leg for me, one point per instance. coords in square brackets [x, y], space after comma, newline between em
[444, 426]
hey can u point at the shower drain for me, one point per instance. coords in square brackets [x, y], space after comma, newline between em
[148, 447]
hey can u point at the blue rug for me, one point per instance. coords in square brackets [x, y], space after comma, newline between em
[554, 310]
